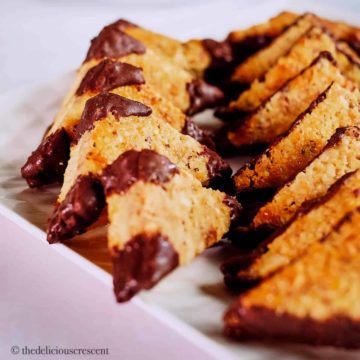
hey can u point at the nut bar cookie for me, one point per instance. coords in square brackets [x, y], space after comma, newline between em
[340, 156]
[195, 56]
[123, 79]
[256, 65]
[204, 58]
[337, 106]
[172, 81]
[275, 115]
[310, 224]
[300, 56]
[314, 300]
[111, 125]
[160, 218]
[343, 32]
[276, 37]
[141, 65]
[248, 41]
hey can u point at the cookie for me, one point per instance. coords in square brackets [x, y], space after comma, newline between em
[275, 115]
[305, 139]
[300, 56]
[257, 65]
[108, 75]
[160, 217]
[340, 156]
[309, 225]
[313, 300]
[111, 125]
[248, 41]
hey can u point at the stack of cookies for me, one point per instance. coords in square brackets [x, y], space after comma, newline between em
[123, 143]
[301, 113]
[124, 146]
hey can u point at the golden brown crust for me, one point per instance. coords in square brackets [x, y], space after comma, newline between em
[256, 65]
[300, 56]
[110, 137]
[313, 300]
[344, 32]
[271, 28]
[191, 216]
[276, 114]
[308, 226]
[191, 56]
[155, 227]
[291, 153]
[142, 93]
[341, 155]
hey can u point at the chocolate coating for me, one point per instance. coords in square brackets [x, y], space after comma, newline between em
[203, 96]
[113, 42]
[259, 323]
[121, 25]
[108, 75]
[133, 166]
[219, 170]
[81, 207]
[220, 52]
[202, 136]
[355, 45]
[232, 267]
[234, 206]
[250, 45]
[48, 162]
[101, 105]
[144, 260]
[229, 114]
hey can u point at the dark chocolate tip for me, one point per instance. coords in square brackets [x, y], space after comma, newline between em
[354, 44]
[220, 52]
[108, 75]
[133, 166]
[230, 114]
[80, 208]
[235, 208]
[222, 142]
[231, 269]
[203, 96]
[143, 262]
[259, 322]
[232, 266]
[238, 286]
[122, 25]
[47, 163]
[244, 237]
[241, 50]
[99, 106]
[219, 171]
[113, 42]
[226, 148]
[202, 136]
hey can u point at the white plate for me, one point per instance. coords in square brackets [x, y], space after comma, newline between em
[192, 299]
